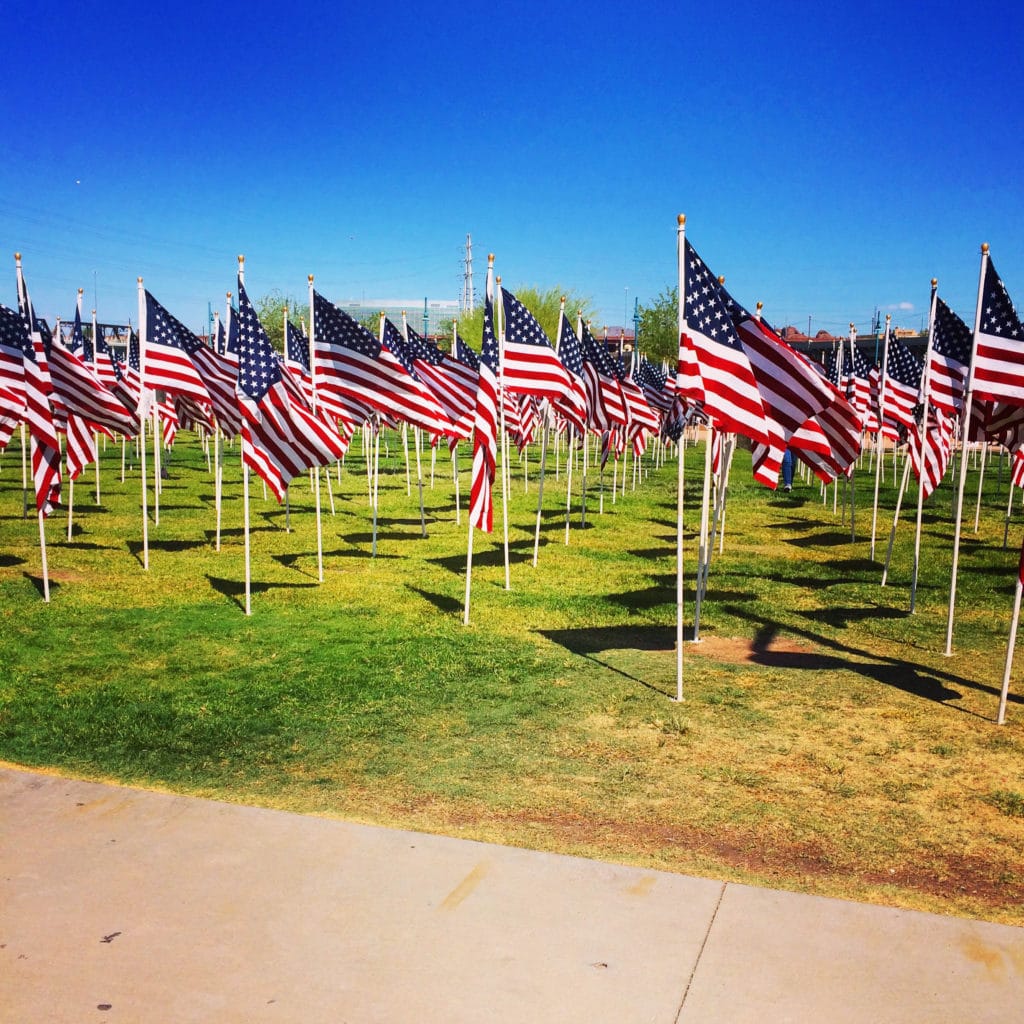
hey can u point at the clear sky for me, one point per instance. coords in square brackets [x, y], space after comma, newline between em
[830, 158]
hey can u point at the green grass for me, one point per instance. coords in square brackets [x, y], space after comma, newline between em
[825, 744]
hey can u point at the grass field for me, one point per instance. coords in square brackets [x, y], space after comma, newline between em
[825, 744]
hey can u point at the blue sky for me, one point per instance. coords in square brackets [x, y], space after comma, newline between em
[829, 161]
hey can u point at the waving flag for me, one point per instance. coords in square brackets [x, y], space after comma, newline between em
[166, 364]
[938, 445]
[606, 406]
[999, 358]
[529, 365]
[950, 360]
[902, 386]
[350, 362]
[574, 405]
[715, 369]
[42, 433]
[485, 425]
[81, 391]
[280, 437]
[453, 383]
[12, 371]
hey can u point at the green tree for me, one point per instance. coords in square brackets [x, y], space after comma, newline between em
[659, 327]
[270, 309]
[542, 303]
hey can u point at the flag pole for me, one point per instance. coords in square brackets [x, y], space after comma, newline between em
[926, 396]
[680, 458]
[879, 446]
[505, 481]
[376, 454]
[981, 482]
[1015, 619]
[316, 486]
[143, 416]
[245, 491]
[853, 465]
[965, 433]
[544, 445]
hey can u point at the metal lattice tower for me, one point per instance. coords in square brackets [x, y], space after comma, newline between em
[467, 277]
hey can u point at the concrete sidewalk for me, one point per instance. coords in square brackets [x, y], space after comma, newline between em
[120, 904]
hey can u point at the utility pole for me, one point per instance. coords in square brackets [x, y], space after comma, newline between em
[636, 323]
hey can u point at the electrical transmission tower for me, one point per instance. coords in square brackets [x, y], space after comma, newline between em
[467, 278]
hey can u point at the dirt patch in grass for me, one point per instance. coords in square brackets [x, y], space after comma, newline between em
[739, 650]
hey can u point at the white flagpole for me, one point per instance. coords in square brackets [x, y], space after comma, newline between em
[926, 395]
[1015, 619]
[981, 481]
[316, 487]
[544, 445]
[143, 416]
[245, 493]
[702, 540]
[469, 517]
[96, 436]
[505, 475]
[376, 456]
[879, 446]
[680, 446]
[965, 434]
[157, 443]
[853, 468]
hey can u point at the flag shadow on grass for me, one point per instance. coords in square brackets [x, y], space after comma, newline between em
[37, 582]
[9, 561]
[135, 547]
[830, 538]
[442, 602]
[235, 589]
[518, 551]
[919, 680]
[594, 640]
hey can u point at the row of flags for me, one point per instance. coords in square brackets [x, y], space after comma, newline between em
[301, 409]
[737, 373]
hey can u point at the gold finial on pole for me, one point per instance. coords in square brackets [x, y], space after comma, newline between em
[984, 246]
[681, 219]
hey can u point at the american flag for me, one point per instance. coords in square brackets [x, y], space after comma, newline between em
[12, 372]
[529, 365]
[950, 360]
[44, 441]
[280, 437]
[938, 444]
[485, 425]
[860, 384]
[657, 384]
[80, 448]
[791, 390]
[81, 391]
[218, 376]
[902, 387]
[570, 352]
[166, 363]
[350, 362]
[999, 357]
[168, 421]
[453, 383]
[714, 367]
[641, 419]
[607, 407]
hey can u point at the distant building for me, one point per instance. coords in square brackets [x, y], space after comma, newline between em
[440, 312]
